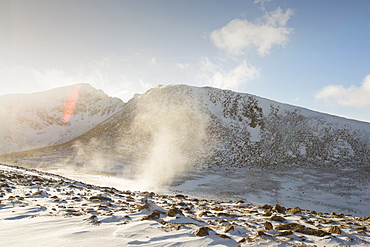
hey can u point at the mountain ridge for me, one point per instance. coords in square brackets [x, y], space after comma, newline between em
[244, 111]
[53, 116]
[245, 127]
[227, 144]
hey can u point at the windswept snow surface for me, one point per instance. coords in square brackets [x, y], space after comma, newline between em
[42, 209]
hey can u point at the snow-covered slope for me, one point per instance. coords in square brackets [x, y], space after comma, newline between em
[36, 207]
[229, 145]
[252, 130]
[30, 121]
[221, 127]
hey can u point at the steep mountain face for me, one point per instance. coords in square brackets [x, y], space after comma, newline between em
[257, 131]
[221, 143]
[30, 121]
[199, 126]
[225, 128]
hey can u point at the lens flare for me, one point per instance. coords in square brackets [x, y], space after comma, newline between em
[71, 103]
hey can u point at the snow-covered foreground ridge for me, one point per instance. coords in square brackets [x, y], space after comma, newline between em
[49, 210]
[35, 120]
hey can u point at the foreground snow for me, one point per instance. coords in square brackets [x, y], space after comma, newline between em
[42, 209]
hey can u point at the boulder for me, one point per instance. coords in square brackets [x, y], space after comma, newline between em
[268, 225]
[279, 209]
[173, 212]
[202, 231]
[277, 218]
[295, 210]
[153, 216]
[335, 229]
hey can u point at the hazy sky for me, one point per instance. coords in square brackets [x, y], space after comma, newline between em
[314, 54]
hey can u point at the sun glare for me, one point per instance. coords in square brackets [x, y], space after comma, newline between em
[71, 103]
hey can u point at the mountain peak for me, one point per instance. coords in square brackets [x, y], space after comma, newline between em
[53, 116]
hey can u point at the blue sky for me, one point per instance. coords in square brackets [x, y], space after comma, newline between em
[314, 54]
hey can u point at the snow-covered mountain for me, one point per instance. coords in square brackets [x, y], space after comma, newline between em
[30, 121]
[225, 128]
[226, 144]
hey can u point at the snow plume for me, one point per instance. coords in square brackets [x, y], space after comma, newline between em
[174, 128]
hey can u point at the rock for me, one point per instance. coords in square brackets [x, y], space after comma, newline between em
[334, 215]
[202, 231]
[315, 232]
[245, 240]
[224, 236]
[173, 212]
[362, 228]
[262, 233]
[279, 209]
[94, 222]
[268, 226]
[203, 213]
[267, 213]
[335, 229]
[366, 218]
[92, 217]
[40, 193]
[217, 209]
[302, 229]
[295, 210]
[277, 218]
[229, 228]
[183, 204]
[288, 226]
[266, 206]
[100, 198]
[142, 207]
[180, 196]
[284, 233]
[226, 215]
[153, 216]
[149, 194]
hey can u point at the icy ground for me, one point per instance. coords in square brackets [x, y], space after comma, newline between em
[321, 189]
[42, 209]
[316, 189]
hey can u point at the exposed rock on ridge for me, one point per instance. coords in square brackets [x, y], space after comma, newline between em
[36, 120]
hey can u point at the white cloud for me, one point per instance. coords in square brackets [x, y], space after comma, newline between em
[216, 76]
[241, 35]
[19, 79]
[107, 74]
[153, 61]
[262, 2]
[183, 66]
[352, 96]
